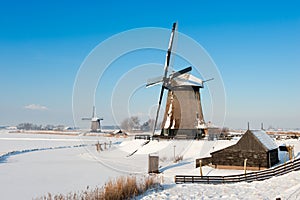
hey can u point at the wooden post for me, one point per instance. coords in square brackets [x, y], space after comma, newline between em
[245, 166]
[162, 178]
[200, 166]
[290, 151]
[98, 146]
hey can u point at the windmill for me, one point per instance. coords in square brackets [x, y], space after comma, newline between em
[183, 117]
[95, 122]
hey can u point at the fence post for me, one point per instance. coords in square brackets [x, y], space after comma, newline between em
[245, 166]
[98, 146]
[200, 166]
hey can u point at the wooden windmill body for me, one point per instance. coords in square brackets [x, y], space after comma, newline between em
[183, 117]
[95, 122]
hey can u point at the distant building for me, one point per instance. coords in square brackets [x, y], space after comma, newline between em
[11, 128]
[95, 121]
[256, 146]
[95, 124]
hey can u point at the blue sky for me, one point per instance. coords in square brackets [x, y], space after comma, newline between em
[255, 45]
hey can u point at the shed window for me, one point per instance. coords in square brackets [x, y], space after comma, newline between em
[283, 148]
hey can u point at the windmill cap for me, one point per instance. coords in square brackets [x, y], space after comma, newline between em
[187, 80]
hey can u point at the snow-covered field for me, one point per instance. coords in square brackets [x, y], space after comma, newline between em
[40, 163]
[56, 163]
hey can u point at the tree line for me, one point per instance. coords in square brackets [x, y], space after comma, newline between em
[31, 126]
[129, 124]
[134, 124]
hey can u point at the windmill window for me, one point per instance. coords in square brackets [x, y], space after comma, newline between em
[254, 156]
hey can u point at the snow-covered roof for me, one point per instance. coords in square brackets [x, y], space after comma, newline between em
[95, 119]
[181, 80]
[265, 139]
[187, 80]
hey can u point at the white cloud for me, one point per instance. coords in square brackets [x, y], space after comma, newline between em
[35, 107]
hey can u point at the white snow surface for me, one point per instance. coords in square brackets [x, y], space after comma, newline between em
[39, 164]
[286, 187]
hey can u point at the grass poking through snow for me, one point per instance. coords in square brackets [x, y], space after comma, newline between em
[117, 189]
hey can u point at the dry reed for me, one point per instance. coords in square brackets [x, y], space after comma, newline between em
[117, 189]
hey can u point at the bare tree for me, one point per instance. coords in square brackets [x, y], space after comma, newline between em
[132, 123]
[148, 125]
[135, 123]
[29, 126]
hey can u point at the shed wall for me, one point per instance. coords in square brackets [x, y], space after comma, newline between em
[248, 148]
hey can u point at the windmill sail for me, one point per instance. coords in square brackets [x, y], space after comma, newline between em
[154, 81]
[167, 63]
[157, 80]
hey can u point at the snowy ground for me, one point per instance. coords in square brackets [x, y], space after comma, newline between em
[40, 163]
[67, 167]
[286, 187]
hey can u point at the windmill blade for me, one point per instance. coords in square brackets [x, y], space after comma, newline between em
[211, 79]
[167, 63]
[158, 108]
[153, 84]
[183, 71]
[168, 56]
[174, 46]
[86, 118]
[93, 115]
[154, 81]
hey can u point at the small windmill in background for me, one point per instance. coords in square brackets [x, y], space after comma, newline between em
[95, 121]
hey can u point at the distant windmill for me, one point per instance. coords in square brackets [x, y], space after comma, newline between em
[183, 117]
[95, 122]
